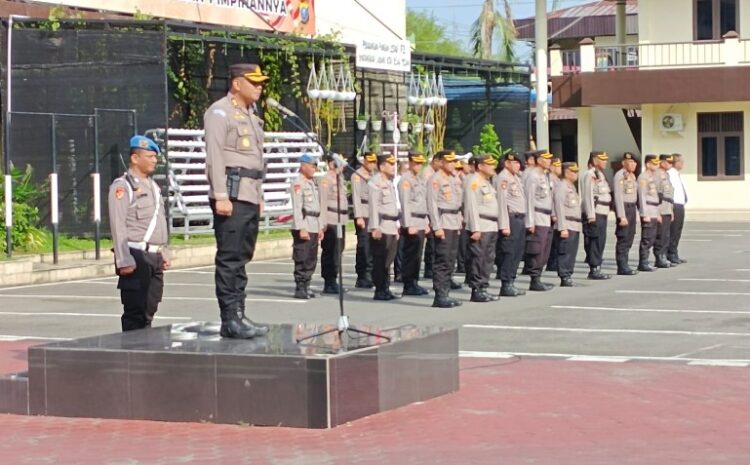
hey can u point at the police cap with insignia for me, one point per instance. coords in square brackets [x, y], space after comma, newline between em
[447, 155]
[387, 158]
[484, 158]
[653, 159]
[144, 143]
[417, 157]
[370, 156]
[511, 156]
[249, 71]
[556, 162]
[543, 154]
[629, 156]
[667, 158]
[570, 166]
[598, 155]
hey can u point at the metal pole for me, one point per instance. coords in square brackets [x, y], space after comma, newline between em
[97, 190]
[8, 178]
[542, 108]
[620, 32]
[54, 214]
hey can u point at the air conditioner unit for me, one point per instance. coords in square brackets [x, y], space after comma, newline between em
[671, 122]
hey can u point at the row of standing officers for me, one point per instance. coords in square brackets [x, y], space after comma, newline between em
[507, 215]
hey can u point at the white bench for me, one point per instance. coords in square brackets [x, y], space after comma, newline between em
[189, 208]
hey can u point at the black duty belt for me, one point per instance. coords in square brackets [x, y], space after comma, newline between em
[543, 210]
[653, 204]
[604, 204]
[667, 200]
[518, 215]
[309, 213]
[488, 217]
[389, 217]
[444, 211]
[245, 172]
[573, 218]
[336, 210]
[419, 215]
[364, 201]
[629, 204]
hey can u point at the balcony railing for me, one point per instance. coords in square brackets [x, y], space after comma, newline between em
[595, 58]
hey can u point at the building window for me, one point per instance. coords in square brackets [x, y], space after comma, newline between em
[720, 146]
[714, 18]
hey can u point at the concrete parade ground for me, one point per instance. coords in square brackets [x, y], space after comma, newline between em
[648, 369]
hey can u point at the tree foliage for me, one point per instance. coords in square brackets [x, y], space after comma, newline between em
[430, 36]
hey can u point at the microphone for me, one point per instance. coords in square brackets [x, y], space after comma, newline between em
[273, 103]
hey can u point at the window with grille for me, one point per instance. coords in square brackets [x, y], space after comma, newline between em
[720, 146]
[714, 18]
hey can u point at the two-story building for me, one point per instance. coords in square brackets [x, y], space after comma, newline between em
[687, 77]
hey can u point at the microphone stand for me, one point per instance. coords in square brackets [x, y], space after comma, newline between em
[343, 329]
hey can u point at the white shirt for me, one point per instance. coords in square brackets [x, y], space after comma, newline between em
[680, 194]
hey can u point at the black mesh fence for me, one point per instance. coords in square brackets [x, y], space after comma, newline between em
[77, 95]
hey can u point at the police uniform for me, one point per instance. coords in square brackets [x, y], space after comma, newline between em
[648, 204]
[568, 213]
[234, 167]
[538, 189]
[666, 210]
[384, 218]
[512, 216]
[335, 208]
[139, 237]
[361, 207]
[444, 201]
[411, 191]
[626, 200]
[481, 215]
[462, 255]
[596, 198]
[306, 216]
[553, 252]
[429, 243]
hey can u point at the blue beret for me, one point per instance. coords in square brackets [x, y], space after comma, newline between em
[143, 142]
[307, 158]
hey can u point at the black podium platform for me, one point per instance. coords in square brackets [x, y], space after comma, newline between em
[189, 373]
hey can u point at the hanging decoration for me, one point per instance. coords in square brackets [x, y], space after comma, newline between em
[426, 93]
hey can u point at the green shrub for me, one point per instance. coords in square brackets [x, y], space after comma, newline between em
[26, 234]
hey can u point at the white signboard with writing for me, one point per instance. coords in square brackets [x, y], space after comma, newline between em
[384, 55]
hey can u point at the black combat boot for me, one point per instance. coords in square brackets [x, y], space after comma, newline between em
[567, 282]
[456, 286]
[300, 291]
[478, 295]
[595, 272]
[330, 287]
[381, 294]
[538, 285]
[644, 266]
[310, 294]
[259, 328]
[412, 288]
[493, 298]
[232, 327]
[507, 290]
[443, 301]
[662, 262]
[518, 291]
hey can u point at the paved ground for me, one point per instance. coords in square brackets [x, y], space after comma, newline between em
[535, 385]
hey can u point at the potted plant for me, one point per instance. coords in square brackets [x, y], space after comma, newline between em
[362, 121]
[411, 118]
[376, 123]
[390, 120]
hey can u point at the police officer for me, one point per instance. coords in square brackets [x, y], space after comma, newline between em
[538, 187]
[383, 225]
[666, 211]
[555, 170]
[414, 223]
[234, 166]
[626, 199]
[482, 223]
[463, 171]
[512, 216]
[444, 201]
[308, 226]
[429, 244]
[361, 204]
[596, 198]
[648, 204]
[568, 225]
[139, 236]
[335, 208]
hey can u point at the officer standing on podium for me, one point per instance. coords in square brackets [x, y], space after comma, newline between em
[234, 167]
[139, 236]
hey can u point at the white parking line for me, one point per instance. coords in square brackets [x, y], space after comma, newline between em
[711, 234]
[650, 310]
[716, 280]
[107, 297]
[29, 286]
[101, 315]
[634, 291]
[696, 240]
[605, 331]
[11, 338]
[613, 358]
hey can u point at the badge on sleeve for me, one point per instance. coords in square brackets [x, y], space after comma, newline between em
[405, 185]
[504, 185]
[435, 185]
[474, 186]
[297, 188]
[119, 193]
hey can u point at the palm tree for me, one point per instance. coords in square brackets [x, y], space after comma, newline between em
[492, 24]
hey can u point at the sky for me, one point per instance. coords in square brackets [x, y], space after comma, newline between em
[457, 15]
